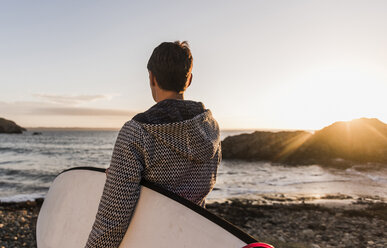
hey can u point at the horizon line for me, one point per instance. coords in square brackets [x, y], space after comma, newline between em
[118, 128]
[222, 129]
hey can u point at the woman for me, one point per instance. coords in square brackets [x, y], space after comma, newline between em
[174, 144]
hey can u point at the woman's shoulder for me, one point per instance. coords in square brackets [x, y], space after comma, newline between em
[131, 130]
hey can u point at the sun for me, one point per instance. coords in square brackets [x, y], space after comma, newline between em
[321, 97]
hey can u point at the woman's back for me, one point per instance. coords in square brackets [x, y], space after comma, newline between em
[179, 150]
[181, 147]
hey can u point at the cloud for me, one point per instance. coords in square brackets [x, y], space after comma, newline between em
[71, 99]
[42, 108]
[83, 111]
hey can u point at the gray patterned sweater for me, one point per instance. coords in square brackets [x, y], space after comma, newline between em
[175, 144]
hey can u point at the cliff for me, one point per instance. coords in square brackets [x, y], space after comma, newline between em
[7, 126]
[361, 140]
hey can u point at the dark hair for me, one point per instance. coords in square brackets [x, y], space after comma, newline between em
[171, 64]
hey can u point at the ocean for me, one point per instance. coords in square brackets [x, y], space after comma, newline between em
[29, 163]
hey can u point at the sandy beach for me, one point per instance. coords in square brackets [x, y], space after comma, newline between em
[362, 223]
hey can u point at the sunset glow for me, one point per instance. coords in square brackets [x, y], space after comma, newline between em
[257, 64]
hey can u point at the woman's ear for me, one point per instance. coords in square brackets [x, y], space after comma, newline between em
[153, 85]
[190, 80]
[152, 79]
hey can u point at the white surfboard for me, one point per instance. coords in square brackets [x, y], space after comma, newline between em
[161, 219]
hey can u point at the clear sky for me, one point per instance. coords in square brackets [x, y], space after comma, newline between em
[257, 64]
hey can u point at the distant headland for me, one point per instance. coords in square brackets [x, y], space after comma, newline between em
[342, 143]
[8, 126]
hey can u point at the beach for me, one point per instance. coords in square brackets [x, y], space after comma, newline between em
[361, 223]
[287, 206]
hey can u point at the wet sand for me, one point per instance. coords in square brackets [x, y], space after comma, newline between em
[281, 222]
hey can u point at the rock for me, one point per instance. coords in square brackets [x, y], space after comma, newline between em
[308, 233]
[281, 239]
[7, 126]
[340, 144]
[260, 145]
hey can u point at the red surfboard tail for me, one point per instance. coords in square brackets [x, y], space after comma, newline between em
[258, 245]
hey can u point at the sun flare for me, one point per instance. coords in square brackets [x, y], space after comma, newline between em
[319, 98]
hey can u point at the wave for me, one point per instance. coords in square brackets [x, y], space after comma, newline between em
[377, 178]
[4, 184]
[22, 197]
[25, 173]
[12, 162]
[369, 175]
[306, 182]
[15, 150]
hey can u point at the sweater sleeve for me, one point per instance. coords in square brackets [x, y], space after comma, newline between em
[121, 190]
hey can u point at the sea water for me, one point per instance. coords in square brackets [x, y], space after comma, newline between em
[29, 163]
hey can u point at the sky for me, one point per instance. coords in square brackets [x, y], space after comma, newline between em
[262, 64]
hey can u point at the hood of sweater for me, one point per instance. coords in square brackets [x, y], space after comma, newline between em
[184, 126]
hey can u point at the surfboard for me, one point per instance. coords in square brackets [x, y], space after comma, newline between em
[161, 218]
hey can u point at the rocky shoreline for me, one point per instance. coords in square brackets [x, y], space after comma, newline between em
[296, 225]
[18, 223]
[308, 225]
